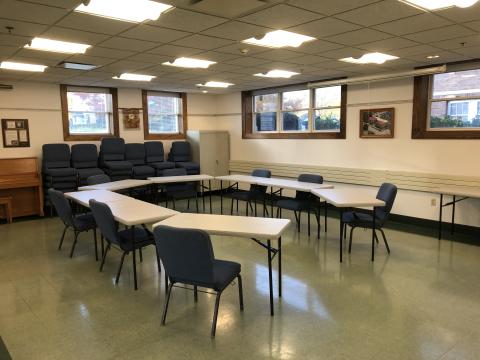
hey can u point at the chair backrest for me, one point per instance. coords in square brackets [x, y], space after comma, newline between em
[105, 221]
[98, 179]
[112, 149]
[187, 254]
[62, 206]
[387, 193]
[310, 178]
[154, 151]
[260, 173]
[135, 153]
[55, 156]
[84, 156]
[180, 151]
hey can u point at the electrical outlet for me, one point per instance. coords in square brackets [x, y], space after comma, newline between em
[433, 202]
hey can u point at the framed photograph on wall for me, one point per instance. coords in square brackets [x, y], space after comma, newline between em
[15, 133]
[377, 123]
[131, 118]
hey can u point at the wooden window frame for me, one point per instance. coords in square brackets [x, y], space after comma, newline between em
[247, 118]
[184, 124]
[87, 137]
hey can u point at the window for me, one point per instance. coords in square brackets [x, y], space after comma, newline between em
[295, 112]
[88, 113]
[164, 115]
[447, 105]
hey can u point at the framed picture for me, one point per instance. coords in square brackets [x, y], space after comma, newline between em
[15, 133]
[131, 118]
[377, 123]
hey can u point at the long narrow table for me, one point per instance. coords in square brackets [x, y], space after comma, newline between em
[346, 198]
[457, 191]
[126, 210]
[159, 180]
[117, 185]
[260, 230]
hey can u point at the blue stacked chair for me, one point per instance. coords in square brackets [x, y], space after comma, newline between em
[112, 159]
[135, 154]
[155, 157]
[181, 155]
[85, 160]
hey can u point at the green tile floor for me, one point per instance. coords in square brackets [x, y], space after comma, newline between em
[421, 302]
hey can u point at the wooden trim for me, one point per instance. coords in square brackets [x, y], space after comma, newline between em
[392, 126]
[247, 122]
[88, 137]
[183, 125]
[421, 92]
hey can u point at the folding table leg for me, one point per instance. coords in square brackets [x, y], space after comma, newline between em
[210, 194]
[440, 218]
[221, 197]
[270, 281]
[279, 255]
[134, 258]
[341, 234]
[452, 229]
[373, 234]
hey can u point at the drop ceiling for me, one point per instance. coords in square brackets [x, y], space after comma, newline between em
[213, 30]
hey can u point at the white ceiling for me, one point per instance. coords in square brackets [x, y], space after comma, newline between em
[213, 30]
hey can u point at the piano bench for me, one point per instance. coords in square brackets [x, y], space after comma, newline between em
[6, 202]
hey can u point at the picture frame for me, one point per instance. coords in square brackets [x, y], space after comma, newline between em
[377, 123]
[131, 118]
[15, 133]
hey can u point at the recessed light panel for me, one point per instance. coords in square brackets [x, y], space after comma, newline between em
[10, 65]
[371, 58]
[76, 66]
[277, 74]
[216, 84]
[439, 4]
[190, 63]
[57, 46]
[126, 10]
[279, 38]
[134, 77]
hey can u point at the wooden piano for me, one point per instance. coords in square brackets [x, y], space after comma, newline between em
[20, 179]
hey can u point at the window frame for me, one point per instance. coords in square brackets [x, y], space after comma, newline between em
[167, 136]
[67, 136]
[422, 88]
[249, 131]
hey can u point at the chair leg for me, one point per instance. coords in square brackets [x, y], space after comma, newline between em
[141, 254]
[385, 240]
[74, 243]
[173, 200]
[215, 314]
[165, 305]
[96, 245]
[158, 260]
[104, 257]
[376, 237]
[278, 212]
[63, 237]
[102, 245]
[188, 204]
[308, 215]
[196, 201]
[119, 271]
[231, 207]
[246, 208]
[256, 209]
[350, 242]
[345, 231]
[237, 206]
[299, 217]
[240, 291]
[195, 293]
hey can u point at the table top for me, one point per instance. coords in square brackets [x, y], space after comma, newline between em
[349, 197]
[239, 178]
[117, 185]
[293, 184]
[182, 178]
[472, 192]
[83, 197]
[249, 227]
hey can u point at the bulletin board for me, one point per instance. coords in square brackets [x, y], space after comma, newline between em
[15, 133]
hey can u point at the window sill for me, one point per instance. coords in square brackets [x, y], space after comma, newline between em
[164, 136]
[295, 135]
[86, 137]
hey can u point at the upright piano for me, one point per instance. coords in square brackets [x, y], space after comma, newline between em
[21, 180]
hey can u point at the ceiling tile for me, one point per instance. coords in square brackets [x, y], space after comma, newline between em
[65, 4]
[128, 44]
[94, 60]
[13, 75]
[388, 44]
[361, 36]
[317, 47]
[237, 48]
[21, 28]
[277, 54]
[324, 27]
[32, 60]
[202, 42]
[216, 56]
[187, 20]
[472, 51]
[85, 37]
[124, 66]
[48, 55]
[221, 67]
[87, 22]
[149, 58]
[24, 11]
[458, 14]
[236, 30]
[330, 7]
[280, 16]
[343, 53]
[109, 53]
[174, 51]
[414, 50]
[247, 61]
[307, 59]
[425, 21]
[458, 43]
[474, 25]
[154, 33]
[13, 40]
[228, 9]
[446, 56]
[6, 51]
[443, 33]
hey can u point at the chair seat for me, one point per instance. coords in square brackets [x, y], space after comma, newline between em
[190, 166]
[162, 165]
[143, 171]
[61, 172]
[84, 222]
[142, 238]
[118, 165]
[245, 195]
[293, 204]
[359, 219]
[86, 172]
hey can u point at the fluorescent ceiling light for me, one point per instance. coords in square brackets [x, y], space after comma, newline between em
[9, 65]
[126, 10]
[217, 84]
[277, 74]
[439, 4]
[371, 58]
[134, 77]
[57, 46]
[433, 56]
[76, 66]
[190, 63]
[279, 38]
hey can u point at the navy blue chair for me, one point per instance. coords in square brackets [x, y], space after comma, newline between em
[78, 223]
[128, 240]
[303, 201]
[179, 191]
[98, 179]
[155, 157]
[135, 154]
[188, 258]
[256, 193]
[387, 193]
[112, 159]
[181, 154]
[85, 160]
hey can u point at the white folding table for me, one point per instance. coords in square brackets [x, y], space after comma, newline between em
[346, 198]
[126, 210]
[258, 229]
[158, 180]
[117, 185]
